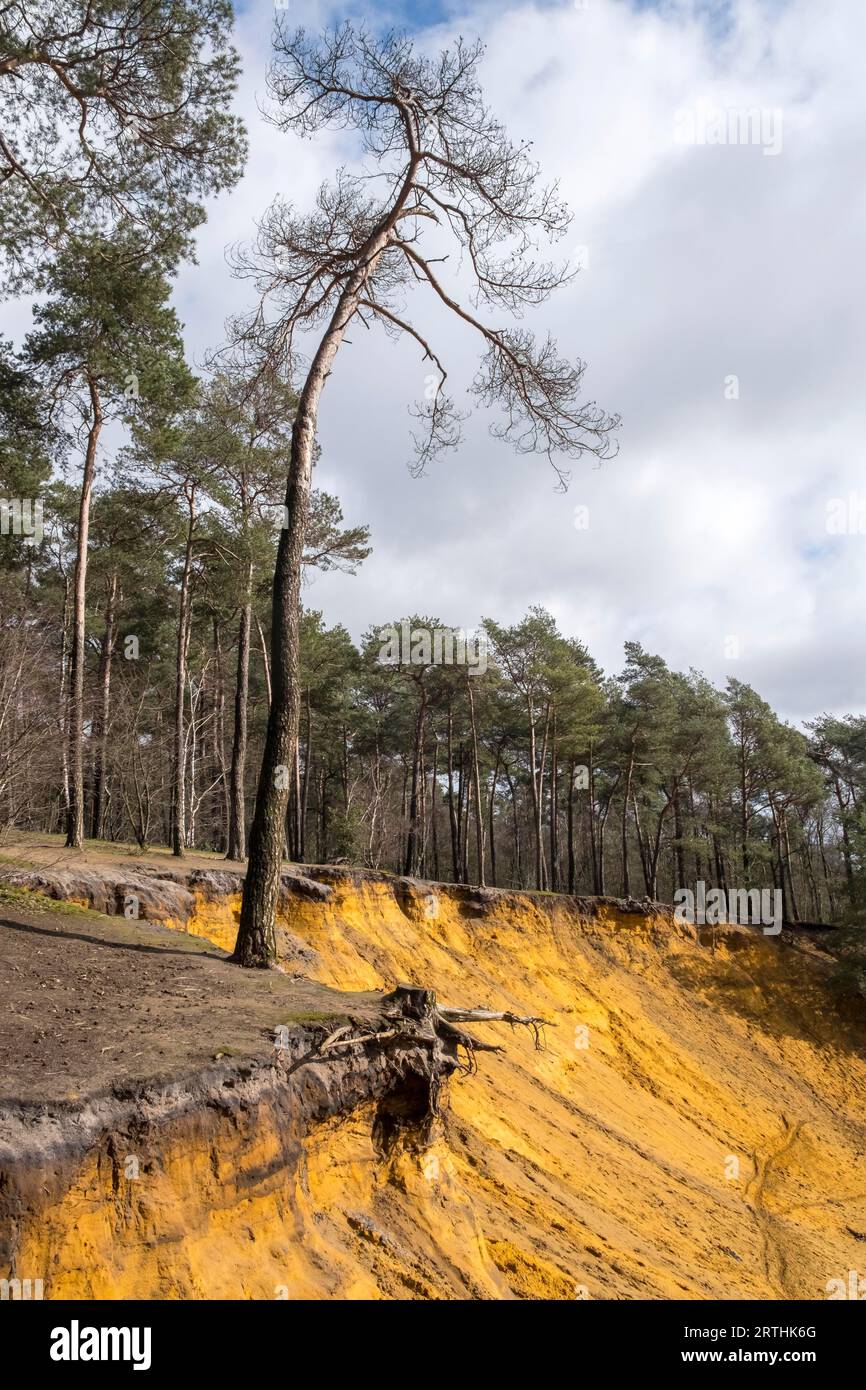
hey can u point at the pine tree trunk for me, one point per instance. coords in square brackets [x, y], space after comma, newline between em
[63, 702]
[490, 816]
[411, 859]
[516, 872]
[101, 730]
[75, 814]
[554, 810]
[178, 819]
[536, 795]
[476, 777]
[626, 875]
[265, 660]
[433, 817]
[744, 815]
[305, 797]
[602, 832]
[237, 809]
[846, 843]
[256, 940]
[825, 868]
[452, 813]
[678, 832]
[221, 790]
[786, 839]
[569, 812]
[593, 837]
[322, 845]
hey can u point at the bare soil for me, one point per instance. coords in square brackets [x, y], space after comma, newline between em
[91, 1002]
[27, 849]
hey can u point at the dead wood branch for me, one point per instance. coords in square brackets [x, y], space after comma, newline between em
[360, 1038]
[451, 1015]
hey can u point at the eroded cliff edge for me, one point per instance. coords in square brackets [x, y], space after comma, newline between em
[693, 1128]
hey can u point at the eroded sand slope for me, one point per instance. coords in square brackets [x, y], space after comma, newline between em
[695, 1126]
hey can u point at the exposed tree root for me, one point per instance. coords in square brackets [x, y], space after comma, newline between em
[415, 1016]
[335, 1041]
[449, 1015]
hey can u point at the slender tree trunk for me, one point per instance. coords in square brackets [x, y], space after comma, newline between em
[554, 810]
[220, 770]
[220, 774]
[101, 731]
[744, 815]
[490, 815]
[422, 810]
[517, 872]
[699, 862]
[63, 702]
[654, 855]
[534, 788]
[626, 875]
[195, 717]
[265, 660]
[413, 839]
[75, 815]
[809, 865]
[540, 858]
[305, 789]
[569, 822]
[237, 806]
[593, 837]
[323, 817]
[678, 848]
[642, 847]
[846, 843]
[825, 868]
[786, 839]
[602, 832]
[476, 777]
[372, 852]
[256, 941]
[293, 809]
[463, 793]
[452, 813]
[178, 823]
[433, 808]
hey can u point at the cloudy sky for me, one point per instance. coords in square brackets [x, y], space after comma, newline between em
[708, 535]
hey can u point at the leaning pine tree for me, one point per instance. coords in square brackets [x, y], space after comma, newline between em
[442, 166]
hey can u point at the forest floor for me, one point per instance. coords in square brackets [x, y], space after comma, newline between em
[92, 1001]
[28, 849]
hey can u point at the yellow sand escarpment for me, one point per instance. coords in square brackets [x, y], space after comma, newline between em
[694, 1128]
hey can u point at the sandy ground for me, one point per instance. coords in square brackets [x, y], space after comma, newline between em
[91, 1001]
[24, 849]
